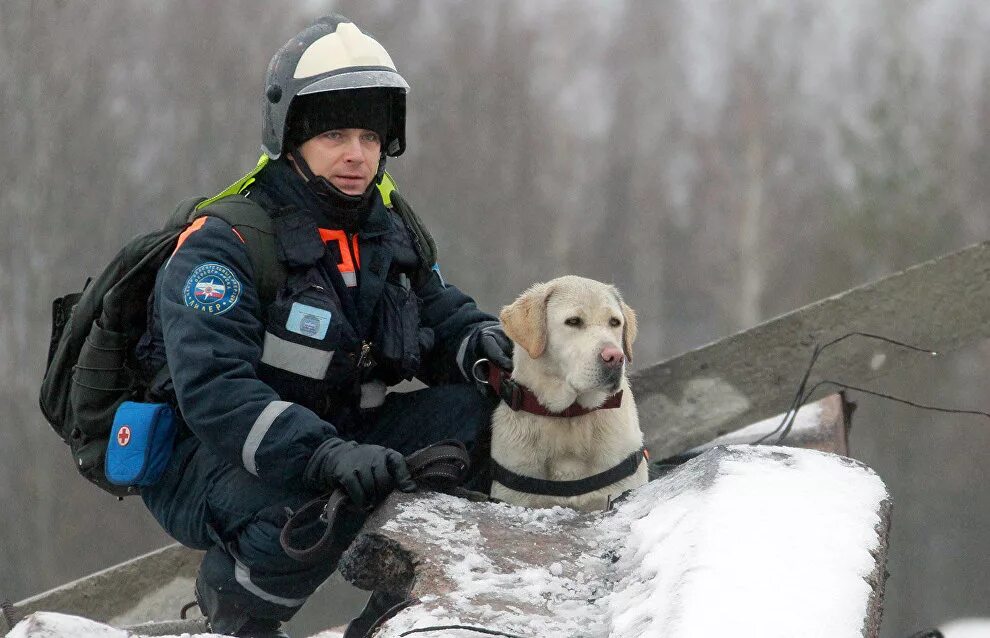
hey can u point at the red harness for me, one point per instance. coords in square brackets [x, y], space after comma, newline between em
[519, 397]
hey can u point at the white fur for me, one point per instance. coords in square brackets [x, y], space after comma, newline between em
[567, 367]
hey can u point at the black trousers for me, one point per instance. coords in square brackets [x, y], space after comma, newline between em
[206, 503]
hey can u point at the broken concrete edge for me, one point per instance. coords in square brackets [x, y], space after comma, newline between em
[878, 578]
[113, 591]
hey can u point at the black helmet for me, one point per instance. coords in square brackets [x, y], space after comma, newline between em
[330, 55]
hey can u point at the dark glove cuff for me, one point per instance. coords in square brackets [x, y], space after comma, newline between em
[314, 476]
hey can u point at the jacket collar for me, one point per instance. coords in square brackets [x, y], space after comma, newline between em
[282, 186]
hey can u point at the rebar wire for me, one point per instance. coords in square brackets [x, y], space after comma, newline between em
[801, 396]
[480, 630]
[921, 406]
[185, 609]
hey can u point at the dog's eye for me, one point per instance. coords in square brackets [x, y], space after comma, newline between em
[573, 322]
[614, 322]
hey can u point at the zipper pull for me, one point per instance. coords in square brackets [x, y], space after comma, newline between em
[365, 361]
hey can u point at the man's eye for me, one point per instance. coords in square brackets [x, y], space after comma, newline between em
[614, 322]
[332, 135]
[574, 322]
[370, 137]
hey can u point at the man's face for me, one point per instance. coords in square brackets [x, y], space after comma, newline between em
[347, 157]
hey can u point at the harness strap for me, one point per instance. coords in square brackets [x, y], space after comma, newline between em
[545, 487]
[519, 397]
[438, 467]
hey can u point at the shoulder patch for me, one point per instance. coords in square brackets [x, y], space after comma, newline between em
[212, 288]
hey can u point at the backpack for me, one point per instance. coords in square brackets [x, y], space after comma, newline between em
[91, 367]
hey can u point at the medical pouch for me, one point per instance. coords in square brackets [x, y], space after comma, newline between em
[140, 445]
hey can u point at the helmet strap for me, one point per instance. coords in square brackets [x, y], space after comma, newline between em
[329, 193]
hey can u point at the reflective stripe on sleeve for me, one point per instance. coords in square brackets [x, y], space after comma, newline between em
[372, 394]
[258, 431]
[243, 576]
[296, 358]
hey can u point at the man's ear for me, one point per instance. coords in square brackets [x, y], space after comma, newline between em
[629, 329]
[525, 319]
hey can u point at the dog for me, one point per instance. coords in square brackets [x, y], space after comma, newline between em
[573, 337]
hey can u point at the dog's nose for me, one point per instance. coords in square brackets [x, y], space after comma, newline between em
[612, 357]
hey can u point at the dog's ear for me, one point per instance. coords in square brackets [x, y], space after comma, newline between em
[525, 319]
[629, 329]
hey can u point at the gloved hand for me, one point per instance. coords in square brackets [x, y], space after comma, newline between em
[491, 343]
[367, 473]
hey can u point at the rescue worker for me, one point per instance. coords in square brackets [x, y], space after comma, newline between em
[281, 400]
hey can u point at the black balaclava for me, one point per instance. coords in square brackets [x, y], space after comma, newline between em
[311, 115]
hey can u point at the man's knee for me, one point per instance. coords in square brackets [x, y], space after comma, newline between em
[410, 421]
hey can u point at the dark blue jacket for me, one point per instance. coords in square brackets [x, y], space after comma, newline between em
[264, 387]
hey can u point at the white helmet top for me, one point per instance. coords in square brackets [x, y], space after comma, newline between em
[332, 54]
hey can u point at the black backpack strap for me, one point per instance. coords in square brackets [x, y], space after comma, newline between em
[184, 212]
[426, 248]
[254, 225]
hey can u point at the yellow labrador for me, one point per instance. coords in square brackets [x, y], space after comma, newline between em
[573, 338]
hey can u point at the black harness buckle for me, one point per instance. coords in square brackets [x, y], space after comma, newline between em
[510, 392]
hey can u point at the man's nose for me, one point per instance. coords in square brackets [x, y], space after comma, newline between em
[612, 357]
[352, 150]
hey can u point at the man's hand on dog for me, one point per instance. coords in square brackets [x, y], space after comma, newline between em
[367, 473]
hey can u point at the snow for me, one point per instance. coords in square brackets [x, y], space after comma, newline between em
[775, 549]
[771, 542]
[967, 628]
[51, 625]
[742, 541]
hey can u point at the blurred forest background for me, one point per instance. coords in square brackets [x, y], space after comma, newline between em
[720, 161]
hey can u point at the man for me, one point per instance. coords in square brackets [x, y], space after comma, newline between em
[283, 399]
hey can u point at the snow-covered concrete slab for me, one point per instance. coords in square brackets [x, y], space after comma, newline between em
[44, 624]
[742, 541]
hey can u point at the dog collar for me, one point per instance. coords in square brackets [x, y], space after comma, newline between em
[519, 397]
[545, 487]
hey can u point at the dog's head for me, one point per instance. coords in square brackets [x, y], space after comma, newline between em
[580, 329]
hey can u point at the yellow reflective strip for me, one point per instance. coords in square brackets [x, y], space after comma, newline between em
[237, 186]
[386, 188]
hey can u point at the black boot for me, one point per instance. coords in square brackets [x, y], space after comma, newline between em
[381, 606]
[261, 628]
[224, 616]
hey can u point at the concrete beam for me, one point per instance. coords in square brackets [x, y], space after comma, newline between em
[943, 304]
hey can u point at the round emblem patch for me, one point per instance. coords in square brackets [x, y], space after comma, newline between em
[212, 288]
[124, 436]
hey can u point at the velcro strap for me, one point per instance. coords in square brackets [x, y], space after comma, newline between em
[297, 239]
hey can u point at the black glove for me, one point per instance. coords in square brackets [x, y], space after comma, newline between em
[491, 343]
[367, 473]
